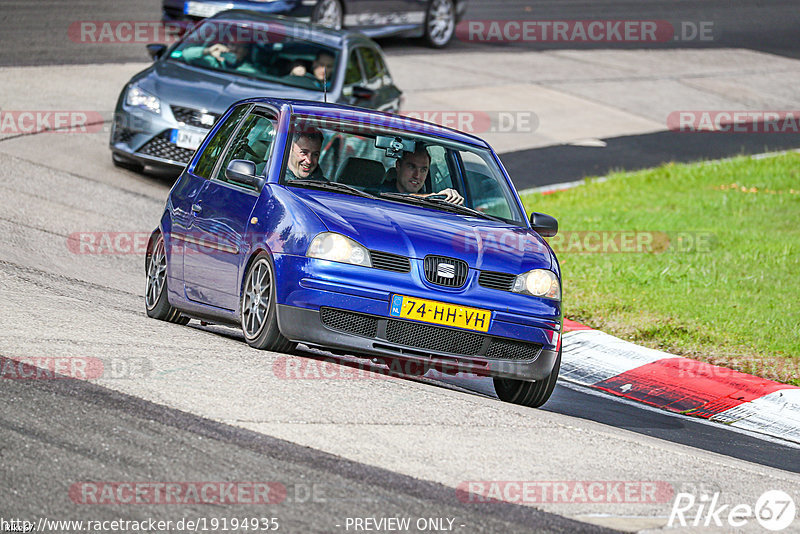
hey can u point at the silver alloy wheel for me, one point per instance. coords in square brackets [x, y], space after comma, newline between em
[156, 274]
[441, 21]
[256, 299]
[329, 13]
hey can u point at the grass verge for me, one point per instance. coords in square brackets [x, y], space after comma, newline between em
[699, 260]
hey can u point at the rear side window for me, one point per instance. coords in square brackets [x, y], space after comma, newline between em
[372, 63]
[352, 75]
[205, 164]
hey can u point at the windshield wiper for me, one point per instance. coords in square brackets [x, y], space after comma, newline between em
[330, 186]
[441, 204]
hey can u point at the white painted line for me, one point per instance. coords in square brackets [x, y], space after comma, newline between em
[776, 414]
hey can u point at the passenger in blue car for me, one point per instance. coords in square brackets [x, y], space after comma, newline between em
[304, 155]
[411, 172]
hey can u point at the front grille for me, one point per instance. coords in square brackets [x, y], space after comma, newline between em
[191, 117]
[389, 262]
[352, 323]
[493, 280]
[505, 349]
[162, 147]
[433, 338]
[443, 271]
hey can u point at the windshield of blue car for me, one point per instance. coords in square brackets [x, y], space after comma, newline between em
[406, 165]
[257, 50]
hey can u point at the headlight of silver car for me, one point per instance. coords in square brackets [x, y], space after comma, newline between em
[139, 98]
[539, 283]
[336, 247]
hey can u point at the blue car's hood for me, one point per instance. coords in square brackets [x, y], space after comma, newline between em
[416, 232]
[194, 87]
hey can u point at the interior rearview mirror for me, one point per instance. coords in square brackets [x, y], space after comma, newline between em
[544, 225]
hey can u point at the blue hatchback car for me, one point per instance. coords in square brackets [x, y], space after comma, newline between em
[361, 232]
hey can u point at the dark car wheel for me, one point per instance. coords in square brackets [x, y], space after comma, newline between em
[328, 13]
[155, 297]
[259, 311]
[440, 23]
[125, 163]
[531, 394]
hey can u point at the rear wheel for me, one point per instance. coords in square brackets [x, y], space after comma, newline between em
[328, 13]
[440, 23]
[531, 394]
[155, 297]
[259, 310]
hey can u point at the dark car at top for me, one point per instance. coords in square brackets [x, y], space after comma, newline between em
[345, 260]
[164, 112]
[433, 20]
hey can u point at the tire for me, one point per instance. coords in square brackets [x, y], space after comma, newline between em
[125, 163]
[531, 394]
[155, 296]
[328, 13]
[440, 23]
[259, 314]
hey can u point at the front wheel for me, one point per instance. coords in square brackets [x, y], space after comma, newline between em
[531, 394]
[155, 296]
[328, 13]
[440, 23]
[259, 308]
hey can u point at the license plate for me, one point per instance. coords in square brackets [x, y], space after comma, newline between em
[190, 139]
[202, 9]
[431, 311]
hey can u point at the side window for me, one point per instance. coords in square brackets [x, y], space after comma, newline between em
[352, 75]
[439, 171]
[486, 194]
[205, 164]
[372, 63]
[253, 143]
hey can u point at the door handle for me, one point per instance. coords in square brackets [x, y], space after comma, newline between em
[197, 208]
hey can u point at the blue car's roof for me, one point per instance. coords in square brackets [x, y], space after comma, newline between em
[368, 116]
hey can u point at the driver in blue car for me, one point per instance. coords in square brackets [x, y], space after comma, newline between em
[412, 172]
[304, 155]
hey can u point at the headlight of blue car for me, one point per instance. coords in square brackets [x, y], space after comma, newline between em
[336, 247]
[139, 98]
[539, 283]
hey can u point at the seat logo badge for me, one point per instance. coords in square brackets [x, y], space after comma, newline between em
[446, 270]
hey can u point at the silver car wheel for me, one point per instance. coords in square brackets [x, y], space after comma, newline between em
[256, 298]
[156, 274]
[441, 22]
[329, 13]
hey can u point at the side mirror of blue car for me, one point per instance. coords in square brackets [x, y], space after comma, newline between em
[156, 50]
[243, 172]
[544, 225]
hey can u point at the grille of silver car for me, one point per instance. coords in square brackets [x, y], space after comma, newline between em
[433, 338]
[162, 147]
[444, 271]
[192, 116]
[494, 280]
[353, 323]
[506, 349]
[389, 262]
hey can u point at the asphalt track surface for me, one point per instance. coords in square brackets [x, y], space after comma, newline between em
[54, 433]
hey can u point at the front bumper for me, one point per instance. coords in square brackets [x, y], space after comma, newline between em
[339, 306]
